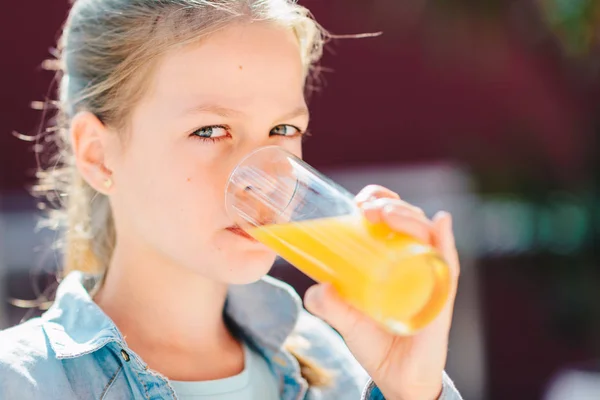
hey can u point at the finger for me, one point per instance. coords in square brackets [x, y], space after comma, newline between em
[447, 247]
[405, 221]
[367, 341]
[373, 208]
[444, 241]
[374, 192]
[400, 217]
[372, 213]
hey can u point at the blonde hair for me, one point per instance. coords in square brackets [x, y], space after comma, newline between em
[105, 55]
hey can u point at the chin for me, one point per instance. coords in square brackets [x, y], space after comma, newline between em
[248, 267]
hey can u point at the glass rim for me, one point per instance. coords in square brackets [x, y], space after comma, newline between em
[241, 163]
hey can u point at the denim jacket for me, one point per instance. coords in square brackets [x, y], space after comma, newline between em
[74, 350]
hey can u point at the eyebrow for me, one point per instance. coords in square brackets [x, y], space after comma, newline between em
[226, 112]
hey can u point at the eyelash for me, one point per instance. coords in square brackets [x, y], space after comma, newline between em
[210, 139]
[205, 139]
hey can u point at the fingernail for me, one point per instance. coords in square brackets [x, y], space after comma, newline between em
[448, 218]
[368, 206]
[373, 203]
[392, 209]
[313, 296]
[364, 198]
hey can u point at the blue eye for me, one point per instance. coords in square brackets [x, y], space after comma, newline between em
[286, 130]
[211, 132]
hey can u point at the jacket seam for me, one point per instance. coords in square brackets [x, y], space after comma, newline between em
[110, 382]
[142, 382]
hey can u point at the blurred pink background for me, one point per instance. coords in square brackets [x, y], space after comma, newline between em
[488, 109]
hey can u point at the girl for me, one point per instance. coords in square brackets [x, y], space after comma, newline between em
[163, 297]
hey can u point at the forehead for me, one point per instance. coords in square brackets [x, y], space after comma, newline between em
[239, 64]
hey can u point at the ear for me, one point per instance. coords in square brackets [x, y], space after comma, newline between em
[89, 139]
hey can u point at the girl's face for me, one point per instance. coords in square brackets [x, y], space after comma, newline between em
[207, 106]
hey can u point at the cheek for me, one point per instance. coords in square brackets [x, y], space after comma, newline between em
[173, 189]
[293, 146]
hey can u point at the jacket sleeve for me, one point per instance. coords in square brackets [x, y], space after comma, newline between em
[449, 391]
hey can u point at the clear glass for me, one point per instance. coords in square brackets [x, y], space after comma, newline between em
[315, 224]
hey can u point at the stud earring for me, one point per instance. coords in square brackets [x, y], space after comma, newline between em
[108, 183]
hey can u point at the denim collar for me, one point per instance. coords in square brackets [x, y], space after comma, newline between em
[266, 312]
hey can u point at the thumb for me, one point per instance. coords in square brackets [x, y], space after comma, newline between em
[365, 339]
[323, 301]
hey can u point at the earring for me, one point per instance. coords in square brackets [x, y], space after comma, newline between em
[108, 183]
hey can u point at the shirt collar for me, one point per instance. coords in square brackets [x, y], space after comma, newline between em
[266, 312]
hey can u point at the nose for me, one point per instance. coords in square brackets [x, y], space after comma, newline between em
[261, 188]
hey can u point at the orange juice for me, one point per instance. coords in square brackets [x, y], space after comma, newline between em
[393, 278]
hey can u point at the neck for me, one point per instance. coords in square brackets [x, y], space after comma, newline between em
[167, 313]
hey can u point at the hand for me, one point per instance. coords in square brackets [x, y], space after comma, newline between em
[403, 367]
